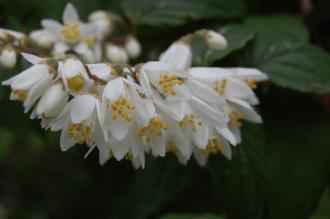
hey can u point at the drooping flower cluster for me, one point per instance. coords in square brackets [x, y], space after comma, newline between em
[157, 107]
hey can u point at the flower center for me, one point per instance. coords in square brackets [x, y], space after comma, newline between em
[213, 147]
[171, 148]
[155, 128]
[71, 33]
[90, 42]
[20, 94]
[122, 108]
[167, 82]
[220, 86]
[80, 132]
[252, 83]
[76, 83]
[236, 117]
[190, 121]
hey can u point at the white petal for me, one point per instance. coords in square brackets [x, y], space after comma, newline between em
[70, 15]
[114, 89]
[158, 145]
[226, 151]
[65, 142]
[119, 148]
[145, 84]
[119, 128]
[32, 58]
[201, 136]
[204, 92]
[249, 73]
[179, 55]
[36, 92]
[82, 108]
[182, 93]
[200, 157]
[206, 110]
[53, 27]
[227, 134]
[144, 108]
[248, 112]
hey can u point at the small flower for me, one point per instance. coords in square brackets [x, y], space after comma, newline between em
[73, 34]
[8, 57]
[81, 122]
[215, 40]
[168, 81]
[133, 47]
[179, 54]
[30, 84]
[116, 54]
[75, 77]
[42, 39]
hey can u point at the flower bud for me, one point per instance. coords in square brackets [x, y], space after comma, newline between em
[42, 39]
[215, 40]
[8, 57]
[132, 46]
[103, 22]
[52, 101]
[179, 54]
[116, 54]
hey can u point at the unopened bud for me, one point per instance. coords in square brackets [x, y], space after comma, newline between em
[8, 57]
[133, 46]
[116, 54]
[42, 38]
[103, 22]
[53, 101]
[215, 40]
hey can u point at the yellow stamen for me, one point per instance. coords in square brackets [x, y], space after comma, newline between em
[71, 33]
[20, 94]
[167, 82]
[76, 83]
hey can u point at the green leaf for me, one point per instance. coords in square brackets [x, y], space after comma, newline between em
[242, 182]
[290, 63]
[155, 187]
[297, 132]
[191, 216]
[237, 37]
[280, 24]
[175, 13]
[7, 139]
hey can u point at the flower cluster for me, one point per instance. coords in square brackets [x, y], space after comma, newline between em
[92, 41]
[157, 107]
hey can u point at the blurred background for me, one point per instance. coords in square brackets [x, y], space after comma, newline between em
[38, 181]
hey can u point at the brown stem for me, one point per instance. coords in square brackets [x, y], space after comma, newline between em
[94, 77]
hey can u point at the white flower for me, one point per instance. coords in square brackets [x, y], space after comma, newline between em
[215, 40]
[168, 81]
[179, 54]
[30, 84]
[8, 57]
[72, 35]
[42, 38]
[81, 122]
[52, 101]
[133, 47]
[103, 22]
[116, 54]
[75, 77]
[73, 31]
